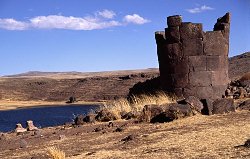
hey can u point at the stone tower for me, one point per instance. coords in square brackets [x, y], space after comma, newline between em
[191, 61]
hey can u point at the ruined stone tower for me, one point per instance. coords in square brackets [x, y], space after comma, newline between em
[193, 62]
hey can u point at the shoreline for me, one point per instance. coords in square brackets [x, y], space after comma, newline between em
[14, 105]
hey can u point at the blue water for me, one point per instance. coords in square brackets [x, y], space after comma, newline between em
[42, 116]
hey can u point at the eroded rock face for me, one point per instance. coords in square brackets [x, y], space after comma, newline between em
[193, 62]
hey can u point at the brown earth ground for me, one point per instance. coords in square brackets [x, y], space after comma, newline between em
[216, 136]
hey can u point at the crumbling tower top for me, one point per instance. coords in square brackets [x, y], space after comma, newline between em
[191, 61]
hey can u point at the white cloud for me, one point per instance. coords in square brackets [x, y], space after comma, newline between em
[136, 19]
[58, 22]
[109, 14]
[200, 9]
[12, 24]
[71, 22]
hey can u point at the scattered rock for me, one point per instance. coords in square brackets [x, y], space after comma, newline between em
[23, 143]
[105, 115]
[79, 120]
[128, 138]
[30, 126]
[98, 129]
[238, 89]
[245, 105]
[111, 124]
[72, 99]
[247, 143]
[221, 106]
[119, 129]
[19, 128]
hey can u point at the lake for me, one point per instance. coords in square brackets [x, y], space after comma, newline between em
[42, 116]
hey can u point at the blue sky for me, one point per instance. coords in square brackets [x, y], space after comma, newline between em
[102, 35]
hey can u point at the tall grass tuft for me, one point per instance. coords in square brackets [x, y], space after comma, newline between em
[55, 153]
[135, 103]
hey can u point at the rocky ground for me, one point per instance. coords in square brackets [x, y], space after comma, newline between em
[200, 136]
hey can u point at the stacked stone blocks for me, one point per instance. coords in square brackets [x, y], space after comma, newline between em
[191, 61]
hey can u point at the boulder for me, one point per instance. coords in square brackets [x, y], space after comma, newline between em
[30, 126]
[19, 128]
[128, 115]
[207, 107]
[194, 102]
[245, 105]
[225, 105]
[105, 115]
[79, 120]
[150, 111]
[90, 118]
[174, 111]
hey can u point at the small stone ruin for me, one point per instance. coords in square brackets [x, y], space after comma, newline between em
[193, 62]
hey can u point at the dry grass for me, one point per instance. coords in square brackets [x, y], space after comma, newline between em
[136, 103]
[56, 153]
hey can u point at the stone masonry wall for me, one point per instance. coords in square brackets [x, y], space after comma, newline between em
[191, 61]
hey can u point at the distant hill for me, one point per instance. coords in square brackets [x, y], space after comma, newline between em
[238, 65]
[89, 86]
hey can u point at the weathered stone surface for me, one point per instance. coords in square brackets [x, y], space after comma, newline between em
[197, 63]
[225, 19]
[207, 107]
[193, 47]
[172, 34]
[201, 92]
[180, 80]
[221, 106]
[166, 82]
[215, 43]
[194, 102]
[160, 37]
[191, 31]
[218, 91]
[201, 78]
[219, 78]
[245, 105]
[174, 51]
[213, 63]
[174, 21]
